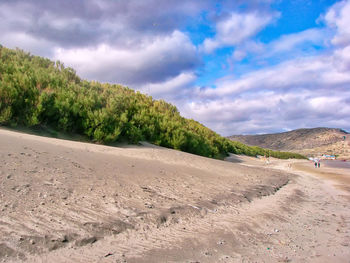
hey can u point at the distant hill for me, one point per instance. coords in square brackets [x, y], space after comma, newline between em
[315, 141]
[37, 92]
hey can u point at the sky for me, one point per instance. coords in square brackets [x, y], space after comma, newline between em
[238, 67]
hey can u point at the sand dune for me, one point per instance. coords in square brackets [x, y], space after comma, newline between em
[64, 201]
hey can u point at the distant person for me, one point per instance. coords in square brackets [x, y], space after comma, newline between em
[315, 164]
[319, 164]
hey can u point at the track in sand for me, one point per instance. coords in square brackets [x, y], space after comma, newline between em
[63, 201]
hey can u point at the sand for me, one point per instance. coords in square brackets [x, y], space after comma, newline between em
[64, 201]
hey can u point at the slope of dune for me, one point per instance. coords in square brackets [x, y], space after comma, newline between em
[64, 201]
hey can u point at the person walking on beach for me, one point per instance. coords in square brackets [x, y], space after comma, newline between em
[319, 164]
[315, 164]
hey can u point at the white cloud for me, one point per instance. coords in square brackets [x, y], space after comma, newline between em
[27, 42]
[338, 17]
[286, 46]
[291, 41]
[170, 88]
[342, 59]
[249, 47]
[268, 111]
[237, 28]
[239, 54]
[155, 60]
[313, 73]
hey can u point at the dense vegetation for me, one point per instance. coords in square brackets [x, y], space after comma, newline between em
[36, 91]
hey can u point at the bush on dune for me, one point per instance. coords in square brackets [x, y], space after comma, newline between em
[36, 91]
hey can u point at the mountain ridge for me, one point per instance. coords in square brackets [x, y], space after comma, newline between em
[309, 141]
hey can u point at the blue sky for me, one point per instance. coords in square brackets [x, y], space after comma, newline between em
[292, 17]
[239, 67]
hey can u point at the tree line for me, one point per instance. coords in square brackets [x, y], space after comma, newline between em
[36, 91]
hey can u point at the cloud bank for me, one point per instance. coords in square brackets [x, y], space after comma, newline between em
[299, 92]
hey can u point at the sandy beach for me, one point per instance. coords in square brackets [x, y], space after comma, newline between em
[64, 201]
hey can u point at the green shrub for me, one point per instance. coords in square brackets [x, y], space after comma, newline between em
[37, 91]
